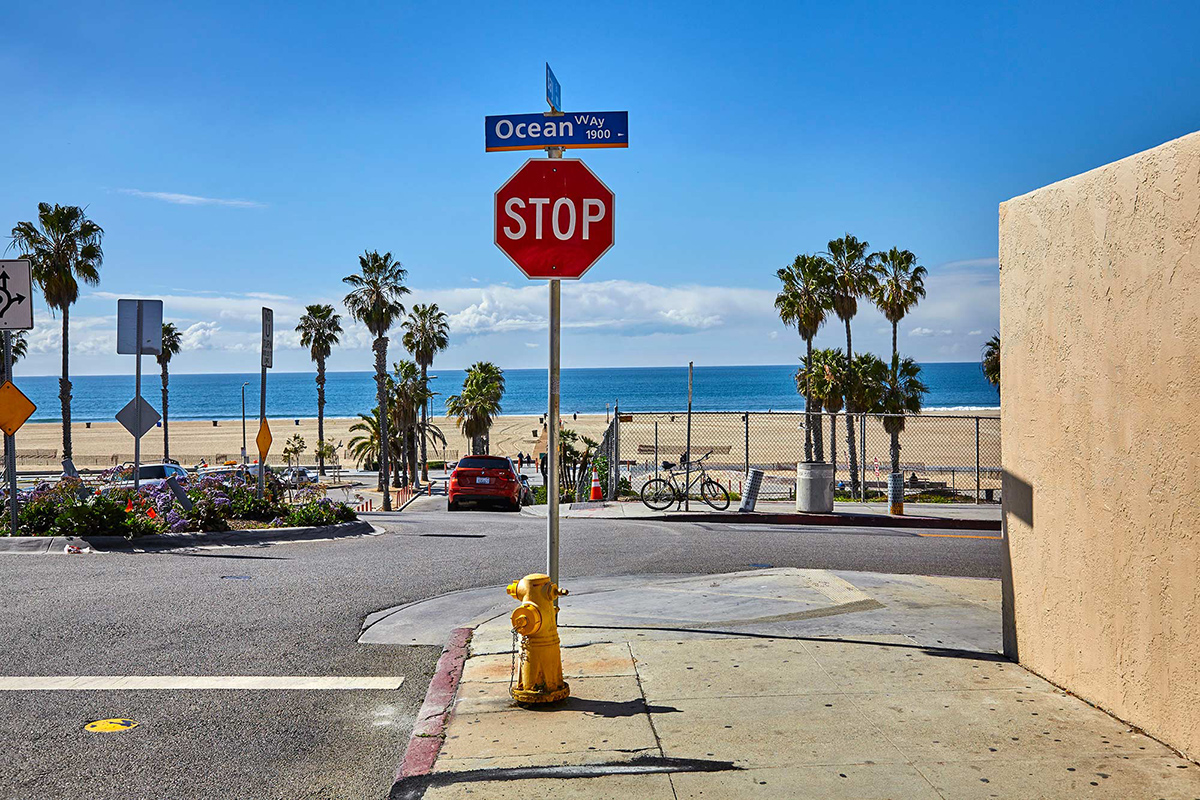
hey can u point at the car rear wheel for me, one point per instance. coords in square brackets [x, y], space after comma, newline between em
[452, 506]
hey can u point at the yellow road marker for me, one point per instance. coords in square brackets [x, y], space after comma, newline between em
[15, 408]
[263, 440]
[110, 725]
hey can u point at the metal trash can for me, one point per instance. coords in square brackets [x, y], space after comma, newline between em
[896, 493]
[750, 495]
[814, 488]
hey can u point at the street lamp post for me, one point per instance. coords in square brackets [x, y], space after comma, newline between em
[244, 385]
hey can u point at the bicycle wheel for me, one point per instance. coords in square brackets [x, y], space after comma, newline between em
[714, 494]
[658, 494]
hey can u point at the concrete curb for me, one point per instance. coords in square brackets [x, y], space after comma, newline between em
[430, 728]
[857, 520]
[39, 545]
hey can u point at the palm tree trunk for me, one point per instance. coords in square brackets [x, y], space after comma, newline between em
[424, 427]
[381, 397]
[895, 370]
[414, 455]
[895, 352]
[833, 444]
[851, 453]
[808, 416]
[818, 436]
[166, 439]
[64, 384]
[320, 416]
[895, 451]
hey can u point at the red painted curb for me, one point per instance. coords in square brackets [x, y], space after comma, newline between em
[429, 730]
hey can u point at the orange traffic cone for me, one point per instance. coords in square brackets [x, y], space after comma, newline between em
[596, 493]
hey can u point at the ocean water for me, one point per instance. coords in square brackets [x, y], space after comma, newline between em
[293, 394]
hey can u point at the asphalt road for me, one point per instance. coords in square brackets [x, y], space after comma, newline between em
[296, 609]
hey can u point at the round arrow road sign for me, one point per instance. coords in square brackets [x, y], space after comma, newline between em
[16, 291]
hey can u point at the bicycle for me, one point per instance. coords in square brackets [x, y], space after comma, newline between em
[659, 494]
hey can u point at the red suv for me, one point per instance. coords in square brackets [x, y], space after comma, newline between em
[485, 478]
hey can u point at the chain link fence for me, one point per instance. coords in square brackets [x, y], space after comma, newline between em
[946, 457]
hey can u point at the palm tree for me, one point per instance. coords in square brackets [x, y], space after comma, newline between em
[478, 403]
[900, 287]
[20, 348]
[426, 333]
[319, 330]
[829, 377]
[171, 343]
[853, 275]
[375, 302]
[364, 447]
[64, 249]
[901, 393]
[806, 386]
[803, 302]
[409, 392]
[991, 361]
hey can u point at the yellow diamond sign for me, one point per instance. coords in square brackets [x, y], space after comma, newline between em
[15, 408]
[263, 440]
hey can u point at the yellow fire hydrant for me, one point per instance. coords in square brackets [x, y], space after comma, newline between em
[536, 619]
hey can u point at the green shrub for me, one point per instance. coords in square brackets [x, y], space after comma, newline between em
[319, 512]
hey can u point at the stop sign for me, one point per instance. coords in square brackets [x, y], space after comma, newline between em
[554, 218]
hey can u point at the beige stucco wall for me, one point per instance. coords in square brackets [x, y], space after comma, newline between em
[1100, 395]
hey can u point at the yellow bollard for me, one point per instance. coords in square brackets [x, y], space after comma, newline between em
[540, 679]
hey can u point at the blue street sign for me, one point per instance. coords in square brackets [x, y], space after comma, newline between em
[573, 130]
[553, 90]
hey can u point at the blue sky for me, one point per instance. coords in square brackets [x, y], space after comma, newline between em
[245, 153]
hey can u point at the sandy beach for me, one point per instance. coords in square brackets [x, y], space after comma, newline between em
[940, 439]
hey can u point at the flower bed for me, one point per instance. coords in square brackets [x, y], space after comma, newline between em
[70, 508]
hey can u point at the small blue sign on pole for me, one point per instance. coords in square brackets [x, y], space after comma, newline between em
[553, 90]
[569, 131]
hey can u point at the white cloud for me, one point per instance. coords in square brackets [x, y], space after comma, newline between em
[532, 345]
[625, 307]
[192, 200]
[199, 336]
[975, 333]
[924, 332]
[990, 261]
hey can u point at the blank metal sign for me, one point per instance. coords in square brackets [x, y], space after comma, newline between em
[152, 313]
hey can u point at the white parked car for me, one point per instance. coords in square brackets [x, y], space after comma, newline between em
[296, 477]
[148, 475]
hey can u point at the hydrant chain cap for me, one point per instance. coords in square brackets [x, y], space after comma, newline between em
[526, 619]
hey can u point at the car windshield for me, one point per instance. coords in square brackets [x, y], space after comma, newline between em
[483, 462]
[146, 472]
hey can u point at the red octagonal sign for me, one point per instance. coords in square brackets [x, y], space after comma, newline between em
[554, 218]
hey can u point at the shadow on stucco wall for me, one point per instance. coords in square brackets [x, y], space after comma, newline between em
[1016, 499]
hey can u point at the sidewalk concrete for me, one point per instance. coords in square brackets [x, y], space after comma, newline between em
[941, 515]
[785, 683]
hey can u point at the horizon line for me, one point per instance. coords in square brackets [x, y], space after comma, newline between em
[57, 375]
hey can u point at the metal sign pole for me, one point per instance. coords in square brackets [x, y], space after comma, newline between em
[262, 417]
[687, 490]
[10, 446]
[552, 529]
[552, 438]
[137, 399]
